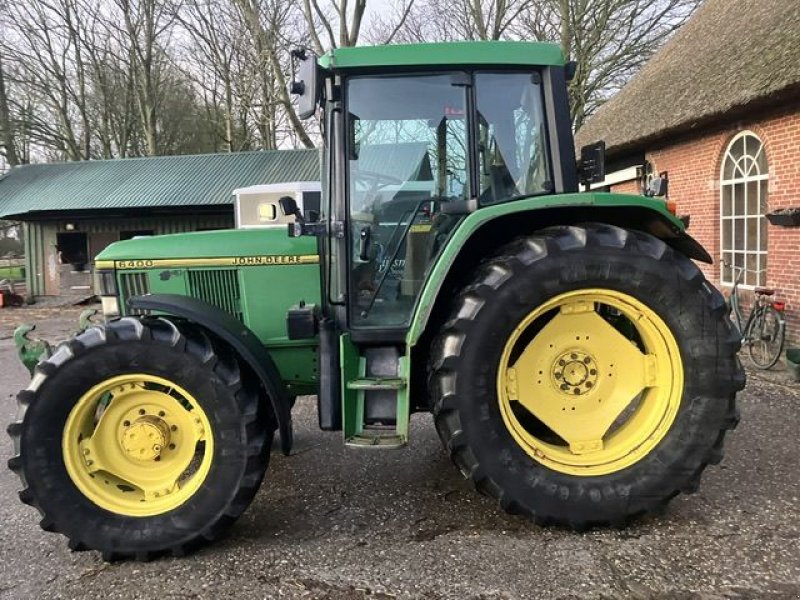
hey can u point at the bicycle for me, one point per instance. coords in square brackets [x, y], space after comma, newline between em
[764, 332]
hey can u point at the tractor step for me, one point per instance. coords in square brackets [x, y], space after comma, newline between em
[367, 439]
[377, 383]
[375, 396]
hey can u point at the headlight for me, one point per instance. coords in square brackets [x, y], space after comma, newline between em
[105, 282]
[110, 306]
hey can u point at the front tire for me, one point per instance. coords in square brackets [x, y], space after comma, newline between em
[586, 376]
[140, 438]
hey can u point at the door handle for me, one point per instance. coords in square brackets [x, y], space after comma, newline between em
[363, 245]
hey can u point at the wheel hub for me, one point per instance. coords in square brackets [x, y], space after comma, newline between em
[145, 438]
[602, 392]
[574, 372]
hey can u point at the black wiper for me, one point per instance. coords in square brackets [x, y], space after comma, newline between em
[389, 264]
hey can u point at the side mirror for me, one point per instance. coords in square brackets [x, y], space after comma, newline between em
[289, 207]
[306, 86]
[592, 167]
[658, 186]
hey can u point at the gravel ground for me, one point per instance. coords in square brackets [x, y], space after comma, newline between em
[337, 523]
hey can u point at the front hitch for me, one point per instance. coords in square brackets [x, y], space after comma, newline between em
[33, 350]
[30, 350]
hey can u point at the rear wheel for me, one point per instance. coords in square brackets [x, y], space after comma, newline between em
[764, 337]
[140, 438]
[572, 379]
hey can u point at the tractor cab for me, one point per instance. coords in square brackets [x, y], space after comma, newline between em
[412, 148]
[416, 139]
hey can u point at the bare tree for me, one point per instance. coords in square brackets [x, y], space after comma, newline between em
[147, 25]
[7, 125]
[49, 66]
[341, 24]
[214, 60]
[111, 96]
[265, 21]
[609, 39]
[337, 25]
[102, 78]
[440, 20]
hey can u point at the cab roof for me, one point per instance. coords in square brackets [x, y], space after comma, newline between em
[495, 53]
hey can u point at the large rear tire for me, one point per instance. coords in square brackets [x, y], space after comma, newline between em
[140, 438]
[586, 376]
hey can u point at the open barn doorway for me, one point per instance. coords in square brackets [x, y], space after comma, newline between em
[73, 249]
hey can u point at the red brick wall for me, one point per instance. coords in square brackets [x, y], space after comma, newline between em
[694, 166]
[628, 187]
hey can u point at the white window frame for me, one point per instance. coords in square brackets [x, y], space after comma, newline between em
[741, 177]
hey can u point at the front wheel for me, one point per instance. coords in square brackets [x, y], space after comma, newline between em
[586, 376]
[764, 337]
[140, 438]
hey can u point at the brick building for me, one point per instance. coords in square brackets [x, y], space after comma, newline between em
[718, 110]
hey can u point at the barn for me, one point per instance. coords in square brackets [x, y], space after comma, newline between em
[71, 211]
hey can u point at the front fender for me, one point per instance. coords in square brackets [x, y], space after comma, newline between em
[239, 337]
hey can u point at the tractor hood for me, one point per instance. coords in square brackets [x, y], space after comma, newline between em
[243, 244]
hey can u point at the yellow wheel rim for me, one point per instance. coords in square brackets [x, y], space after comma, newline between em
[137, 445]
[590, 382]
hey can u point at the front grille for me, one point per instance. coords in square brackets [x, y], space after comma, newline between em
[133, 284]
[218, 287]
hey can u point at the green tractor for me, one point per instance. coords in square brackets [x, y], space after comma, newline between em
[578, 365]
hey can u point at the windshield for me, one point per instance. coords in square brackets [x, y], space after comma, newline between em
[407, 153]
[511, 137]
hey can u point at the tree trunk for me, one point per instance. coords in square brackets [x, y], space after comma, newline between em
[7, 129]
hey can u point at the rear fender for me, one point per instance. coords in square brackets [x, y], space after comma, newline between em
[481, 232]
[239, 337]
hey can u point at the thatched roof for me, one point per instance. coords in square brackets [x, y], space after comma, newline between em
[731, 57]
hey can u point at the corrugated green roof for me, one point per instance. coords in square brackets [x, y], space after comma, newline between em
[465, 53]
[163, 181]
[404, 161]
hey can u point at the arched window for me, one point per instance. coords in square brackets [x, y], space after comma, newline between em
[743, 204]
